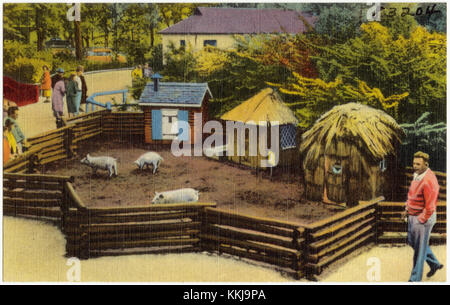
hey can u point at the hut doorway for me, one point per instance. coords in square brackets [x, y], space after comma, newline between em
[334, 188]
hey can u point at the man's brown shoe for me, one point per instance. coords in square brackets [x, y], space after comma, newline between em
[433, 270]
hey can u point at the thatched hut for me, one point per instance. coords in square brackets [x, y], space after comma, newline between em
[266, 108]
[349, 154]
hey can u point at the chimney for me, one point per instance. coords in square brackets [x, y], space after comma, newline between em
[156, 77]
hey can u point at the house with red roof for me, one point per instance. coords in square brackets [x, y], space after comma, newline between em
[217, 26]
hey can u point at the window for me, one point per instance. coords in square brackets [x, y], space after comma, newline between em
[383, 166]
[210, 43]
[169, 124]
[287, 136]
[182, 43]
[337, 169]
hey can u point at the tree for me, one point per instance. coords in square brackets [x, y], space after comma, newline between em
[313, 97]
[416, 65]
[337, 21]
[436, 22]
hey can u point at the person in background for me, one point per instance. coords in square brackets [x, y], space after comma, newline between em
[77, 100]
[421, 210]
[6, 146]
[147, 71]
[84, 88]
[72, 94]
[6, 105]
[59, 90]
[19, 137]
[136, 74]
[46, 84]
[10, 139]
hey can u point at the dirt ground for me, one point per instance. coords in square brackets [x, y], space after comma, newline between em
[231, 187]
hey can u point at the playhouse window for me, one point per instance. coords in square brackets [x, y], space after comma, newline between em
[169, 123]
[287, 136]
[383, 166]
[337, 169]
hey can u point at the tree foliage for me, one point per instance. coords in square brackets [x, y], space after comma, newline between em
[416, 65]
[424, 136]
[313, 97]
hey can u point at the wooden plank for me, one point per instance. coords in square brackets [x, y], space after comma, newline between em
[76, 140]
[32, 194]
[136, 236]
[185, 249]
[139, 227]
[343, 224]
[38, 177]
[242, 217]
[141, 243]
[250, 255]
[362, 206]
[315, 246]
[137, 218]
[328, 260]
[31, 211]
[435, 238]
[43, 203]
[53, 159]
[270, 250]
[32, 185]
[151, 208]
[213, 219]
[48, 135]
[239, 235]
[17, 167]
[314, 258]
[75, 200]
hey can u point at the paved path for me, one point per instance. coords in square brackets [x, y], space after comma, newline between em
[38, 118]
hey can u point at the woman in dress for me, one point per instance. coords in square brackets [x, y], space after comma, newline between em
[71, 97]
[46, 84]
[59, 90]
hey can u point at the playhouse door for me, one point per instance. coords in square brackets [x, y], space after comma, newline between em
[335, 180]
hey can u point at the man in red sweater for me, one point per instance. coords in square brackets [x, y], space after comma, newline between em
[421, 210]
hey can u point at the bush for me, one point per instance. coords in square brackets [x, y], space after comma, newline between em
[25, 70]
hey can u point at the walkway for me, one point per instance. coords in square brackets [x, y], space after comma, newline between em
[38, 118]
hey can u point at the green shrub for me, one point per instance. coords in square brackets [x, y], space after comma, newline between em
[25, 70]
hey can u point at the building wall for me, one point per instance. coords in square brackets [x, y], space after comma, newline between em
[224, 41]
[192, 110]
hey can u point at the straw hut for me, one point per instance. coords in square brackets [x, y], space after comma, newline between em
[265, 108]
[349, 154]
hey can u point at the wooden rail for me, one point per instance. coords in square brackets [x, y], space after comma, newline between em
[393, 229]
[267, 240]
[92, 232]
[34, 196]
[329, 240]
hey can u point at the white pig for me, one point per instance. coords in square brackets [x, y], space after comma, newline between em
[176, 196]
[106, 163]
[147, 159]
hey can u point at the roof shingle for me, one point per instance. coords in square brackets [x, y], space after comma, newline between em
[212, 20]
[188, 94]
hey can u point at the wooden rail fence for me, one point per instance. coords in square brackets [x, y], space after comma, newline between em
[332, 238]
[261, 239]
[91, 232]
[40, 196]
[393, 229]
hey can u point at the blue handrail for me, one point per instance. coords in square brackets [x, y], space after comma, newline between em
[91, 99]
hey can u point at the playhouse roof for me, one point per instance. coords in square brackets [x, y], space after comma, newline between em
[214, 20]
[373, 131]
[265, 106]
[174, 94]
